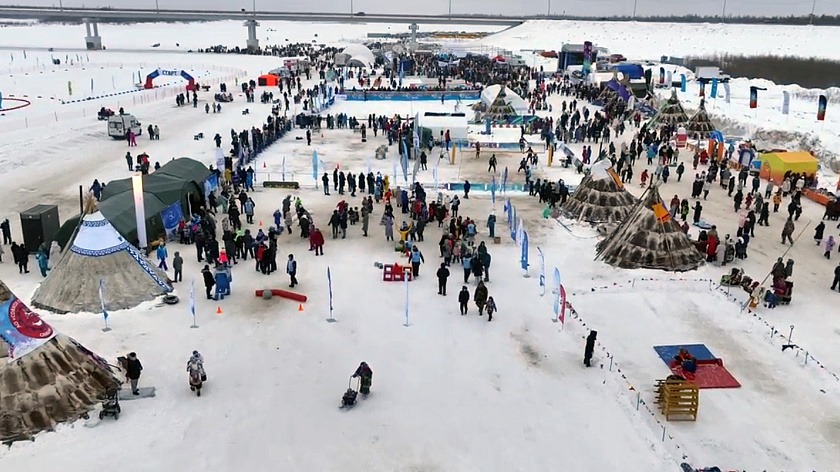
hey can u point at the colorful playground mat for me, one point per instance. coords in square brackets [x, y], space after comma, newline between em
[711, 373]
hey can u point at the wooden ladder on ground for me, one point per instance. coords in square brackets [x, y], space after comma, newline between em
[678, 400]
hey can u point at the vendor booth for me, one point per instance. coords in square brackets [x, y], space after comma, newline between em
[774, 165]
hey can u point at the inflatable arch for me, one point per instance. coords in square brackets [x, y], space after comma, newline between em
[151, 77]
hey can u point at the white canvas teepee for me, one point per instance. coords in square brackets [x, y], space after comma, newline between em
[98, 251]
[49, 378]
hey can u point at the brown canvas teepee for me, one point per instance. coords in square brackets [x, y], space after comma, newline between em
[700, 125]
[650, 239]
[49, 379]
[600, 197]
[672, 112]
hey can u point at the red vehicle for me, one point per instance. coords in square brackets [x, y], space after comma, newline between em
[617, 58]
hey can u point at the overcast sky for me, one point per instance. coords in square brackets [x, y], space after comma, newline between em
[505, 7]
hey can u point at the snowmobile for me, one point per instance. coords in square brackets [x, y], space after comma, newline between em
[348, 400]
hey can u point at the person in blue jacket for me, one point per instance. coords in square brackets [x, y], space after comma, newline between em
[415, 257]
[466, 261]
[161, 255]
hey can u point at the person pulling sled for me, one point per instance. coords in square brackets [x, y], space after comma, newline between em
[197, 376]
[366, 375]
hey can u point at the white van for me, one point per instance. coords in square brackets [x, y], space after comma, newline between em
[119, 124]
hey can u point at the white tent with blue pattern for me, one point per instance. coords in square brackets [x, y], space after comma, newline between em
[97, 251]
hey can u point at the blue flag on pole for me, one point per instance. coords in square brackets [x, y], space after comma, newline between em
[416, 133]
[508, 211]
[406, 301]
[329, 283]
[315, 167]
[284, 168]
[504, 181]
[404, 162]
[192, 298]
[555, 289]
[542, 270]
[714, 88]
[524, 258]
[493, 190]
[102, 298]
[682, 83]
[514, 226]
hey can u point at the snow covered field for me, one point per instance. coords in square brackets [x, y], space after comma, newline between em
[450, 393]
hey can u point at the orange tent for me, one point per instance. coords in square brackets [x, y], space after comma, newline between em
[268, 80]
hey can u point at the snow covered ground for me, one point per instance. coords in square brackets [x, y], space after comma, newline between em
[449, 392]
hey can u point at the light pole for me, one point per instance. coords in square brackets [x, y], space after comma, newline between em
[548, 14]
[634, 8]
[157, 7]
[813, 7]
[723, 16]
[351, 7]
[450, 10]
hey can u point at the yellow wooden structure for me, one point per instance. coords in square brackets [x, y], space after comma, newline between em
[678, 400]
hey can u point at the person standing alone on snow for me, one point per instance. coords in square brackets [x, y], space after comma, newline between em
[464, 299]
[178, 265]
[491, 308]
[291, 269]
[442, 275]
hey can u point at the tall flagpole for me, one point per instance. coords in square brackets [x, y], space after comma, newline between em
[407, 278]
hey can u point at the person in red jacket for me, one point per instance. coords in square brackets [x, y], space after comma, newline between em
[711, 248]
[316, 240]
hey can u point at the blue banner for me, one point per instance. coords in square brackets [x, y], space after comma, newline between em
[555, 289]
[508, 212]
[404, 161]
[171, 217]
[102, 299]
[542, 270]
[714, 88]
[329, 283]
[504, 181]
[493, 190]
[682, 83]
[515, 224]
[524, 258]
[315, 167]
[21, 328]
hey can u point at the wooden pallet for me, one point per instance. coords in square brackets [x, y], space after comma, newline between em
[678, 400]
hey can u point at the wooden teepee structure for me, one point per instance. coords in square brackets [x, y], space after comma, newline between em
[672, 112]
[700, 125]
[649, 238]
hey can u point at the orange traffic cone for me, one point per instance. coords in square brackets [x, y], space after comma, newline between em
[219, 310]
[300, 307]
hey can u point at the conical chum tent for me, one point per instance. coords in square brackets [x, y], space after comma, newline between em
[650, 239]
[671, 113]
[98, 251]
[49, 378]
[601, 197]
[700, 125]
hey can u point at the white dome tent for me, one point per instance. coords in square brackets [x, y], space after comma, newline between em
[360, 56]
